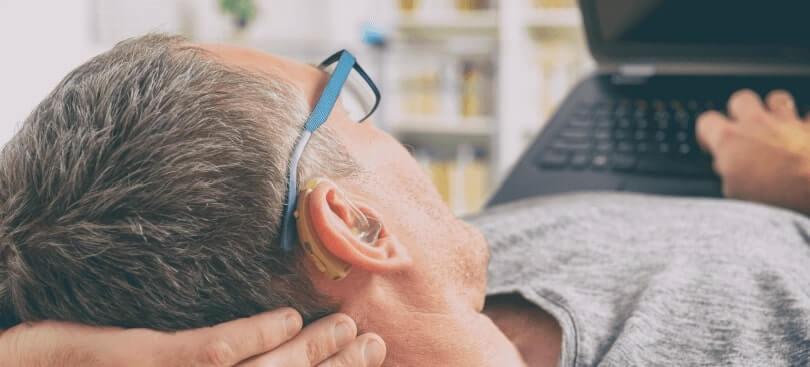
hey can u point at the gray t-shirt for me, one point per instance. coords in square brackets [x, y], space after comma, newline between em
[639, 280]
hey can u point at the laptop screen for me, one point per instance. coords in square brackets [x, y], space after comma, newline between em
[696, 29]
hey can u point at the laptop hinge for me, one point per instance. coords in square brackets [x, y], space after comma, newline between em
[637, 70]
[633, 73]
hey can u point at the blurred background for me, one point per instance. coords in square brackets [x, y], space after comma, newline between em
[467, 84]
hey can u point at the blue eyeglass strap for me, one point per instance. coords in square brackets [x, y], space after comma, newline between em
[318, 116]
[337, 55]
[289, 235]
[331, 92]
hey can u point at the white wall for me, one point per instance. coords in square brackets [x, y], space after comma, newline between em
[40, 41]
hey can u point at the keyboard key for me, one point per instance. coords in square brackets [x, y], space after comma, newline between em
[605, 146]
[570, 145]
[576, 134]
[621, 134]
[553, 159]
[579, 160]
[599, 161]
[604, 123]
[622, 162]
[625, 147]
[601, 134]
[581, 123]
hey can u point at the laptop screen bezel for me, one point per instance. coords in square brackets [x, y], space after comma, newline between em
[635, 53]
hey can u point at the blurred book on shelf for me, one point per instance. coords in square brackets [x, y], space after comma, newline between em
[465, 5]
[448, 87]
[462, 179]
[545, 4]
[409, 6]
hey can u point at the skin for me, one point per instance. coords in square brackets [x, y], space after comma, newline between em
[761, 149]
[421, 285]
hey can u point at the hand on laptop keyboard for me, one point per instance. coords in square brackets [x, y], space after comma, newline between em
[761, 149]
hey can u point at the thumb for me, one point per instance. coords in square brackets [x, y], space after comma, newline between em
[711, 128]
[229, 343]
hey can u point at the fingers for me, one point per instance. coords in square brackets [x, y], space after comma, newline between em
[711, 127]
[367, 351]
[745, 105]
[316, 343]
[781, 105]
[229, 343]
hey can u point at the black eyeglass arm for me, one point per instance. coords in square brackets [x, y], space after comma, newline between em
[373, 86]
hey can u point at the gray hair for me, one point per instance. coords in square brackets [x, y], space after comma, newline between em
[147, 190]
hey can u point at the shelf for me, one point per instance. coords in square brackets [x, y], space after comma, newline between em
[469, 126]
[553, 18]
[444, 132]
[449, 23]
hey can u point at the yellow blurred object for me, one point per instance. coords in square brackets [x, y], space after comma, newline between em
[408, 6]
[555, 3]
[471, 92]
[441, 173]
[461, 181]
[466, 5]
[421, 94]
[475, 185]
[430, 93]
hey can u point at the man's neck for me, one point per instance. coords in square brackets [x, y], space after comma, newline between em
[424, 339]
[456, 336]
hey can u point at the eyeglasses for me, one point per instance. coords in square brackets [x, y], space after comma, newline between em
[359, 97]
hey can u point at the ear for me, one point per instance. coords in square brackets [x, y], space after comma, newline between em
[330, 215]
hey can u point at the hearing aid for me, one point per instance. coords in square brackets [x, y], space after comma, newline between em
[366, 228]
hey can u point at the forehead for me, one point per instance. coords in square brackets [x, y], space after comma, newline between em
[309, 79]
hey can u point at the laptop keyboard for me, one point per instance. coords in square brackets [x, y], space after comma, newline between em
[640, 136]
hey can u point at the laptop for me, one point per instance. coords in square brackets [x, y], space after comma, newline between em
[630, 125]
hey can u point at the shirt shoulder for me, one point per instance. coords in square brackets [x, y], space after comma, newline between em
[628, 276]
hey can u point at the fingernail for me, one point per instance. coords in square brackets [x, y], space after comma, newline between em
[343, 333]
[374, 352]
[292, 324]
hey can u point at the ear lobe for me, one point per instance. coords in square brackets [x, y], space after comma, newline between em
[333, 221]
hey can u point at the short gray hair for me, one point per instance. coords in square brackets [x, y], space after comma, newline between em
[147, 190]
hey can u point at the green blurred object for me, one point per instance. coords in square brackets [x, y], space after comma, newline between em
[242, 11]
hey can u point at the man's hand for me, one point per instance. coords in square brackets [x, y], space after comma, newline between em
[269, 339]
[761, 150]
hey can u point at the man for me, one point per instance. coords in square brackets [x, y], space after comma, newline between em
[187, 188]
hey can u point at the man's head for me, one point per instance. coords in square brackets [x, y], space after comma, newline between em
[147, 190]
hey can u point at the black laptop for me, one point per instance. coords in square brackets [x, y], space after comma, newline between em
[630, 126]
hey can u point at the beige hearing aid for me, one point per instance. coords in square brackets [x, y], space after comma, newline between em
[367, 229]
